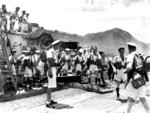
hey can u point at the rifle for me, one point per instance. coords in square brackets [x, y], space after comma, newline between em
[146, 69]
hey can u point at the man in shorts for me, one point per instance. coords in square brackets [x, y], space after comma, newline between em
[119, 63]
[132, 72]
[51, 74]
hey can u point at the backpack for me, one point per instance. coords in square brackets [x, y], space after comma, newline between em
[118, 64]
[27, 63]
[43, 56]
[138, 63]
[138, 67]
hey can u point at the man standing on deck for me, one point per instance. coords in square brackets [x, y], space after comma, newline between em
[51, 74]
[120, 64]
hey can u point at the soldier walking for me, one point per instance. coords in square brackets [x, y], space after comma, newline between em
[119, 63]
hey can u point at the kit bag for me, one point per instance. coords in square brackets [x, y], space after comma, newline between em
[138, 65]
[138, 82]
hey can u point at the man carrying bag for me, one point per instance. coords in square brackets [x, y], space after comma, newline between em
[134, 71]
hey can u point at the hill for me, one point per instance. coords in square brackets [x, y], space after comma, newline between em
[108, 41]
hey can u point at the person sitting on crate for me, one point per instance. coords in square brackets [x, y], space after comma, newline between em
[79, 62]
[93, 66]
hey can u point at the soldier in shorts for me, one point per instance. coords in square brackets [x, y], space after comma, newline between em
[119, 63]
[93, 65]
[51, 74]
[79, 62]
[133, 93]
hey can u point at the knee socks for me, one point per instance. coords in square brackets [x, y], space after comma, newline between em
[117, 91]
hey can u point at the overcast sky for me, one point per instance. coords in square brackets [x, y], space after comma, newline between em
[85, 16]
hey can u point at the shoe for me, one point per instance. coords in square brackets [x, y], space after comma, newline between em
[117, 98]
[22, 91]
[49, 105]
[45, 85]
[53, 102]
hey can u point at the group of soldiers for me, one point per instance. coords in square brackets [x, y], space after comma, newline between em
[12, 21]
[31, 66]
[48, 64]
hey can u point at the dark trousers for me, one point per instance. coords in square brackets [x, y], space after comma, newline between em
[102, 77]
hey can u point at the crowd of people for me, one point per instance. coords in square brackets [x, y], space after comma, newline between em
[125, 69]
[37, 68]
[12, 21]
[31, 65]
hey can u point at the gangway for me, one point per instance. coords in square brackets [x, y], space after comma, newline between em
[9, 86]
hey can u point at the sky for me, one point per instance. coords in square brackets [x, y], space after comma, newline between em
[88, 16]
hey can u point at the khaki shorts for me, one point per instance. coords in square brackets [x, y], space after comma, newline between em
[52, 81]
[78, 67]
[93, 68]
[120, 76]
[28, 72]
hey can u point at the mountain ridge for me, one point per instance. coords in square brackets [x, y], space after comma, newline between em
[108, 41]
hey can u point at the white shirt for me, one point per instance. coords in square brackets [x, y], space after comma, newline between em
[50, 53]
[119, 59]
[26, 58]
[80, 58]
[130, 59]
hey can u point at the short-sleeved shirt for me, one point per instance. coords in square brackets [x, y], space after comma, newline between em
[80, 58]
[119, 62]
[94, 57]
[130, 59]
[119, 59]
[50, 53]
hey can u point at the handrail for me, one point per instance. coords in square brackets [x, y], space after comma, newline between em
[7, 59]
[145, 67]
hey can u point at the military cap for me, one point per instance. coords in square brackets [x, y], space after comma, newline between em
[55, 42]
[13, 51]
[121, 48]
[24, 51]
[131, 44]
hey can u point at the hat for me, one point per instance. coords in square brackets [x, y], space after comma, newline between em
[81, 50]
[72, 53]
[24, 51]
[101, 52]
[67, 49]
[121, 48]
[37, 51]
[55, 42]
[131, 44]
[13, 50]
[3, 5]
[17, 7]
[24, 11]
